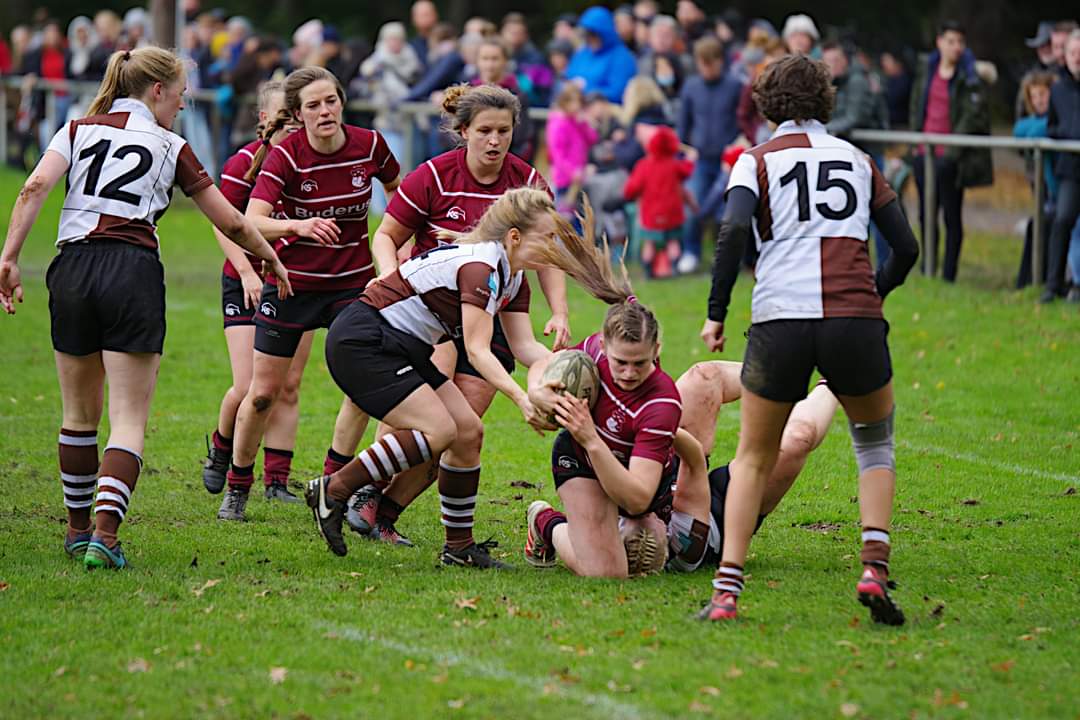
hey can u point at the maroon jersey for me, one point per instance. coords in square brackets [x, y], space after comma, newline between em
[336, 186]
[237, 190]
[442, 194]
[638, 423]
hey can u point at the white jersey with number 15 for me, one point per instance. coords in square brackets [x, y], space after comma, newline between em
[815, 194]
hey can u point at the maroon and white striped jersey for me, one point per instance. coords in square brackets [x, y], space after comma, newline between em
[815, 194]
[337, 186]
[442, 194]
[638, 423]
[122, 167]
[237, 191]
[424, 296]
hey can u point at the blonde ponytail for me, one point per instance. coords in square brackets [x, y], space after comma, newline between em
[130, 73]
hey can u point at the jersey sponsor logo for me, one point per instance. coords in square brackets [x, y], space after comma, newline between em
[359, 177]
[333, 211]
[232, 310]
[309, 186]
[568, 463]
[268, 309]
[615, 421]
[456, 213]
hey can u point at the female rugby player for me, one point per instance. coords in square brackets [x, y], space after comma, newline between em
[323, 172]
[107, 285]
[450, 193]
[809, 198]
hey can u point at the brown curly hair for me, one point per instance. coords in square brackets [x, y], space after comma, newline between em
[795, 88]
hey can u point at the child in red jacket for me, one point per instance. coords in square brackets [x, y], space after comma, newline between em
[658, 180]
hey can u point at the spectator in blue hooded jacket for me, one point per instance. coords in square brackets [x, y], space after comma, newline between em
[603, 62]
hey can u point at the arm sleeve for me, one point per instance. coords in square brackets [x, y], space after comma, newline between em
[190, 174]
[62, 141]
[731, 239]
[233, 186]
[477, 285]
[655, 432]
[894, 227]
[881, 193]
[409, 206]
[520, 301]
[389, 168]
[274, 174]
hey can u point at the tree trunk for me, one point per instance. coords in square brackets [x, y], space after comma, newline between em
[163, 18]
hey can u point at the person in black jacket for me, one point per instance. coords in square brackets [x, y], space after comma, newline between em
[1063, 123]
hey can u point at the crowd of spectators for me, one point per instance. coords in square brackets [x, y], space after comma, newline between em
[627, 88]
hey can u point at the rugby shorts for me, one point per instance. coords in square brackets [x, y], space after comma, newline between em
[280, 324]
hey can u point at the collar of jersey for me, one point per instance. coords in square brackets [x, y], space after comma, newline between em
[791, 126]
[132, 105]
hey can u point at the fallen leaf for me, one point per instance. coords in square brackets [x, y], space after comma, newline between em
[524, 484]
[60, 671]
[409, 664]
[638, 665]
[262, 593]
[206, 586]
[456, 704]
[733, 672]
[1003, 667]
[138, 665]
[277, 675]
[648, 632]
[4, 586]
[1027, 637]
[440, 678]
[564, 675]
[617, 688]
[969, 501]
[1069, 491]
[771, 664]
[355, 574]
[697, 707]
[938, 610]
[464, 603]
[709, 690]
[369, 589]
[849, 709]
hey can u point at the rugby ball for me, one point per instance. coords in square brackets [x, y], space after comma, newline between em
[578, 374]
[646, 545]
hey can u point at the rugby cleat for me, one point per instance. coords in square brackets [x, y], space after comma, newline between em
[722, 606]
[873, 590]
[215, 467]
[99, 556]
[76, 546]
[386, 532]
[361, 512]
[233, 505]
[280, 492]
[477, 555]
[329, 514]
[537, 553]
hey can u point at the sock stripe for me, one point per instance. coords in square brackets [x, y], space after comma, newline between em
[384, 459]
[456, 501]
[422, 444]
[365, 458]
[458, 513]
[79, 504]
[455, 524]
[77, 440]
[459, 470]
[78, 492]
[113, 483]
[78, 480]
[399, 453]
[129, 451]
[875, 536]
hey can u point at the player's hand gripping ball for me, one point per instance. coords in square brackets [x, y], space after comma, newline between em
[575, 373]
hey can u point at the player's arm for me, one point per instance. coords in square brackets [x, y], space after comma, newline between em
[692, 490]
[390, 236]
[631, 488]
[732, 236]
[895, 229]
[477, 326]
[523, 344]
[321, 230]
[553, 285]
[241, 231]
[249, 278]
[35, 190]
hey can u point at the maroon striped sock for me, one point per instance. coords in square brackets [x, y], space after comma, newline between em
[78, 453]
[241, 477]
[221, 442]
[875, 549]
[457, 498]
[547, 521]
[334, 461]
[119, 472]
[392, 453]
[729, 578]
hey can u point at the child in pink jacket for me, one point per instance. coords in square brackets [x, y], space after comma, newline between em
[569, 137]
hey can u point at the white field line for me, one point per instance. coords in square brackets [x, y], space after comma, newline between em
[605, 705]
[1021, 470]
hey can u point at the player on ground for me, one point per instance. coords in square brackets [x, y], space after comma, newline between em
[619, 458]
[450, 193]
[241, 287]
[695, 530]
[322, 173]
[817, 304]
[107, 285]
[379, 351]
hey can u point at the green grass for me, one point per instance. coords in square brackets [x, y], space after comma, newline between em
[987, 547]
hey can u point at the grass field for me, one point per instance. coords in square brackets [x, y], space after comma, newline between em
[259, 620]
